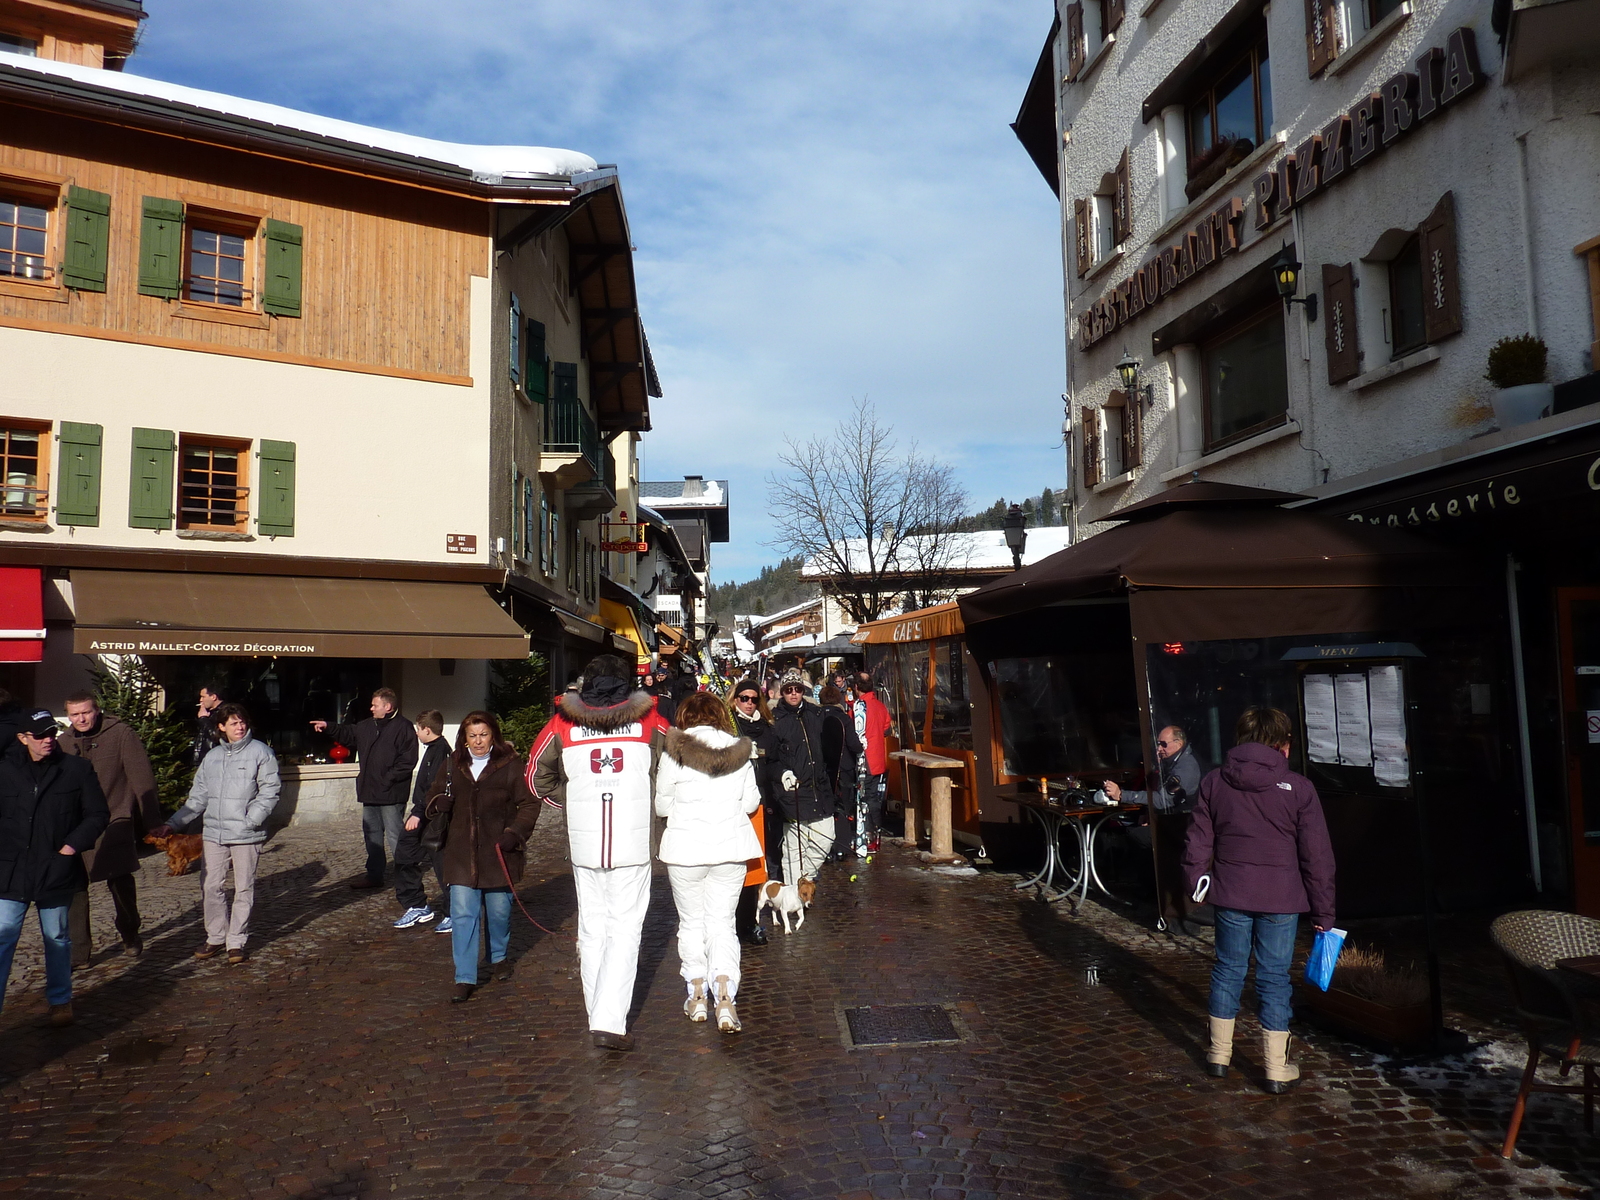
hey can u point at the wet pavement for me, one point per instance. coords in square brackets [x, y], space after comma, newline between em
[332, 1065]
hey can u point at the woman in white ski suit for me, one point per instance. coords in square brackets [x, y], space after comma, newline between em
[706, 789]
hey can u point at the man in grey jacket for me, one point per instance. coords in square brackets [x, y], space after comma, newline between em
[1173, 801]
[235, 791]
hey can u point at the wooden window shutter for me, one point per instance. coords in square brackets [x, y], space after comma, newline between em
[515, 349]
[1080, 235]
[1075, 43]
[544, 532]
[1132, 434]
[275, 509]
[78, 474]
[1090, 425]
[161, 248]
[1441, 285]
[1122, 203]
[150, 479]
[88, 240]
[1322, 34]
[285, 258]
[536, 377]
[1113, 10]
[1339, 300]
[566, 382]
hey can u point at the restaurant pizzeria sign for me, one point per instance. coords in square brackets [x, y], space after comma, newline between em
[1348, 142]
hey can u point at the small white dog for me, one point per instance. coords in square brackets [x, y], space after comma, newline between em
[785, 899]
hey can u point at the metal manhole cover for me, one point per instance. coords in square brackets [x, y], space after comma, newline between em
[900, 1025]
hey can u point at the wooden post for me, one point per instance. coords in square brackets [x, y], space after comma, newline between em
[909, 783]
[943, 838]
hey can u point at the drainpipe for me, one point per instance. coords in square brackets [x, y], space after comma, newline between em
[1529, 298]
[1524, 743]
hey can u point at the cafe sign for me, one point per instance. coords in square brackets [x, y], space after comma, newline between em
[1351, 140]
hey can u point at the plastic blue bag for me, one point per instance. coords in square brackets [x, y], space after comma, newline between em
[1324, 957]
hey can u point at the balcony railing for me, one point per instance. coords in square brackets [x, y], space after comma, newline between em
[569, 430]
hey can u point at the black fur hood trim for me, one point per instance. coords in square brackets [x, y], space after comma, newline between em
[605, 720]
[689, 751]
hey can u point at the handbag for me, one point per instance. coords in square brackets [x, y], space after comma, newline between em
[437, 827]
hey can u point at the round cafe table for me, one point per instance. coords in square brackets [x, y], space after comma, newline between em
[1080, 871]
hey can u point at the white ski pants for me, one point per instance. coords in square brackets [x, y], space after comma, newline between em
[805, 848]
[611, 909]
[708, 944]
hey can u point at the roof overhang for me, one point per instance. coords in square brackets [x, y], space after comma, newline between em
[1035, 125]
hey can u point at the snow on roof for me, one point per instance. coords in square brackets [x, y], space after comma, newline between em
[782, 629]
[486, 163]
[985, 550]
[763, 622]
[713, 494]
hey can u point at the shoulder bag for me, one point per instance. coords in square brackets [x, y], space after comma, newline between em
[438, 825]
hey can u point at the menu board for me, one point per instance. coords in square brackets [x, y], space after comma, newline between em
[1391, 764]
[1358, 720]
[1322, 729]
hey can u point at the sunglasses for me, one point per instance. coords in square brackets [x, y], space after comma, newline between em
[1168, 745]
[748, 698]
[794, 688]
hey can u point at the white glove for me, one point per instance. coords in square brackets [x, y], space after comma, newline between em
[790, 783]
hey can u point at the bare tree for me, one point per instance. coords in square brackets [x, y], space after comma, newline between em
[874, 523]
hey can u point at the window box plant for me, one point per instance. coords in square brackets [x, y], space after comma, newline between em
[1371, 1002]
[1517, 369]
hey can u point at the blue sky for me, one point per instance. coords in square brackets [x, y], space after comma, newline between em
[826, 197]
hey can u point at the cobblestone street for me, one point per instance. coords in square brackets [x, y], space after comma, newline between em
[331, 1064]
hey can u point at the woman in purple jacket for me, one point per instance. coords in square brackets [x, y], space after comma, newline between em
[1258, 830]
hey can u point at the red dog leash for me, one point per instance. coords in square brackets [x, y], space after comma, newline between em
[501, 855]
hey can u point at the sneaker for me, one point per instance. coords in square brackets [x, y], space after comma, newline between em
[413, 916]
[727, 1013]
[696, 1006]
[444, 926]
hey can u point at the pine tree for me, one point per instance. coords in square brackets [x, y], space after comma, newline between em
[519, 694]
[1047, 507]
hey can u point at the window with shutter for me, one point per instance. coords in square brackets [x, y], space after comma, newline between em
[285, 247]
[1075, 45]
[566, 383]
[1339, 332]
[1123, 210]
[1114, 11]
[275, 513]
[161, 253]
[1080, 239]
[516, 339]
[1441, 285]
[1089, 426]
[25, 470]
[88, 238]
[1322, 34]
[150, 479]
[78, 474]
[544, 532]
[536, 375]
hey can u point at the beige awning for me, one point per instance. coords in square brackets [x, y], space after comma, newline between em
[151, 612]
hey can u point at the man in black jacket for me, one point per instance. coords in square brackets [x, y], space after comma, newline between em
[386, 752]
[51, 811]
[409, 855]
[797, 779]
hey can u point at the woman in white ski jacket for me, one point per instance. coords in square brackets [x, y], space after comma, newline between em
[706, 789]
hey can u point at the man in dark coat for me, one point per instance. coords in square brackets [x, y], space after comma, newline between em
[51, 812]
[409, 855]
[208, 732]
[129, 783]
[797, 780]
[386, 750]
[1181, 772]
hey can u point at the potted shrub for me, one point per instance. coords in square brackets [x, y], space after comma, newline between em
[1372, 1001]
[1212, 163]
[1516, 368]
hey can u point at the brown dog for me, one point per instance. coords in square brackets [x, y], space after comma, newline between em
[183, 851]
[785, 900]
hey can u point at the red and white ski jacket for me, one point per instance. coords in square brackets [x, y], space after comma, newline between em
[596, 763]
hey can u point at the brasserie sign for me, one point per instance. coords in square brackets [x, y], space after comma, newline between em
[1348, 142]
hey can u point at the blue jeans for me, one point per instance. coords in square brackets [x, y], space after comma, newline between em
[381, 826]
[57, 948]
[466, 904]
[1271, 936]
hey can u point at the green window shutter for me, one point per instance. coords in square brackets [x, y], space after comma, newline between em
[566, 382]
[536, 381]
[78, 474]
[150, 479]
[88, 240]
[161, 248]
[275, 490]
[285, 248]
[515, 354]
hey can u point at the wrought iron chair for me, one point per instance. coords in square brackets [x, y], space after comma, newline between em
[1558, 1023]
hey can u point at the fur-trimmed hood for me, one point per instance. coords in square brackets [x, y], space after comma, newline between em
[709, 751]
[605, 720]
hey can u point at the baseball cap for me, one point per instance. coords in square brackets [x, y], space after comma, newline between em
[41, 724]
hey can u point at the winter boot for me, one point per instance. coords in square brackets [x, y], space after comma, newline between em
[1221, 1052]
[727, 1014]
[695, 1006]
[1281, 1073]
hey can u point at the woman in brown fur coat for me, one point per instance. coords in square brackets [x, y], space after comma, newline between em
[706, 789]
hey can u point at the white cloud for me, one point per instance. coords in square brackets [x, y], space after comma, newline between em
[826, 197]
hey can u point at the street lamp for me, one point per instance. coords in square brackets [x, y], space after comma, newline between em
[1128, 372]
[1286, 274]
[1016, 534]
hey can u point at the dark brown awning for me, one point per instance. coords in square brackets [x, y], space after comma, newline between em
[151, 612]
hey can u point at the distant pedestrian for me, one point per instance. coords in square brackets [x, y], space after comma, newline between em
[234, 792]
[207, 727]
[752, 719]
[666, 695]
[706, 789]
[1258, 830]
[872, 727]
[51, 812]
[410, 857]
[594, 759]
[841, 750]
[797, 782]
[123, 768]
[482, 791]
[386, 752]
